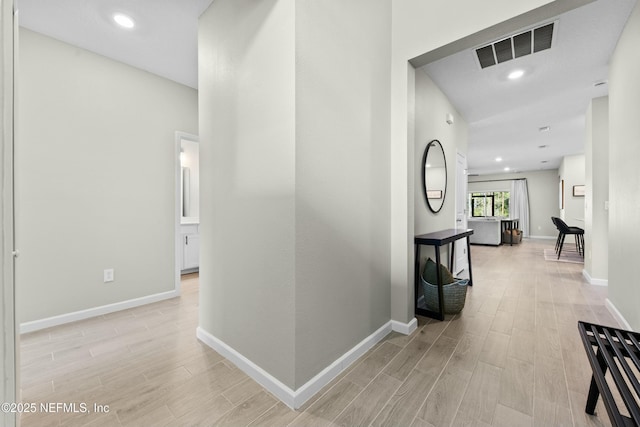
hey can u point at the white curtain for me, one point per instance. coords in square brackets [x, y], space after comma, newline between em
[519, 204]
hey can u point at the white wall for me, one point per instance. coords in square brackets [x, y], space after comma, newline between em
[624, 174]
[95, 170]
[342, 177]
[431, 108]
[247, 181]
[435, 28]
[487, 183]
[295, 179]
[543, 197]
[572, 171]
[596, 216]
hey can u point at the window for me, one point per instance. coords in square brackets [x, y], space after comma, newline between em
[481, 204]
[494, 203]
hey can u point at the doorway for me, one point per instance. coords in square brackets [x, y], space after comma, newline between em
[187, 224]
[461, 258]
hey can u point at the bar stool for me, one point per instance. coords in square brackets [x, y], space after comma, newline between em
[563, 230]
[553, 219]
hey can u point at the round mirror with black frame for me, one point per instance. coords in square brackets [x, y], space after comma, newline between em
[434, 176]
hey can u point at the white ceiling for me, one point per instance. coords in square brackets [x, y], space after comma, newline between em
[504, 116]
[164, 41]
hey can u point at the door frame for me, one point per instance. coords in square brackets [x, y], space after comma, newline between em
[177, 202]
[461, 187]
[9, 344]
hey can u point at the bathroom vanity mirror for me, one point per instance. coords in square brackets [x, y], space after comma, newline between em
[189, 182]
[186, 207]
[434, 175]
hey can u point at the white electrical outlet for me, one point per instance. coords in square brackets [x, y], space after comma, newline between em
[108, 275]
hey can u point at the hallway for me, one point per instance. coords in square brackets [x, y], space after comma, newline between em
[512, 357]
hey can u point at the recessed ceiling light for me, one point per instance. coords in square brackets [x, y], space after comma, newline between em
[544, 161]
[498, 159]
[601, 83]
[516, 74]
[124, 20]
[507, 169]
[545, 129]
[542, 146]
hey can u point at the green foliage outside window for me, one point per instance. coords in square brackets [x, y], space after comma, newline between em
[494, 203]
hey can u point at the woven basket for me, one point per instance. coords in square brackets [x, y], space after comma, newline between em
[509, 236]
[453, 295]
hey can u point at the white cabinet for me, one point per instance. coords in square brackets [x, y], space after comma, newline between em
[191, 255]
[190, 247]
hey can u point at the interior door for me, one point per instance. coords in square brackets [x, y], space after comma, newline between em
[461, 260]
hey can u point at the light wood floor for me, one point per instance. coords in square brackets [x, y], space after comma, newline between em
[512, 357]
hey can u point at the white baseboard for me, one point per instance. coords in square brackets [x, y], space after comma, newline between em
[594, 281]
[617, 315]
[405, 328]
[294, 399]
[262, 377]
[36, 325]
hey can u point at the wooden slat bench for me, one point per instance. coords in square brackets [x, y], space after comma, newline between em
[618, 351]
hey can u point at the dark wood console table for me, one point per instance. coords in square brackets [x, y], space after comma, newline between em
[437, 239]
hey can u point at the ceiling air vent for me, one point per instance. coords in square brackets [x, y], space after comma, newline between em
[504, 50]
[515, 46]
[542, 36]
[522, 44]
[485, 56]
